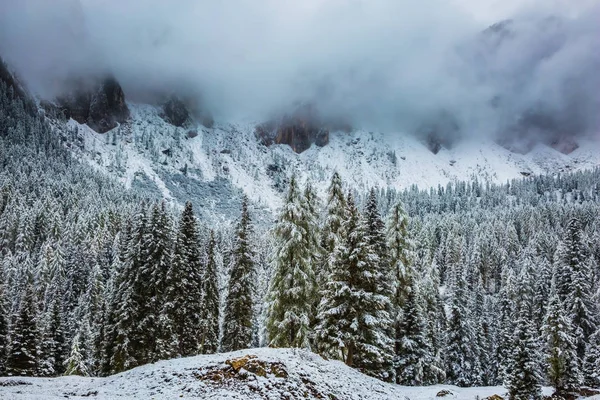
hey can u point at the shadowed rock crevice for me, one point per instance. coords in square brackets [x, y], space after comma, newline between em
[299, 130]
[101, 104]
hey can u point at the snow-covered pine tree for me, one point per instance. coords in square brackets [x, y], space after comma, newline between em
[354, 316]
[400, 249]
[332, 228]
[158, 245]
[574, 284]
[460, 337]
[127, 342]
[76, 363]
[183, 288]
[524, 380]
[413, 353]
[436, 325]
[505, 310]
[293, 285]
[238, 312]
[591, 361]
[400, 258]
[4, 339]
[561, 351]
[54, 344]
[210, 340]
[23, 354]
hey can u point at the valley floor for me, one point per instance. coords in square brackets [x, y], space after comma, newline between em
[249, 374]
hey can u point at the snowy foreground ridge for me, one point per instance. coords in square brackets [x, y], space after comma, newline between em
[248, 374]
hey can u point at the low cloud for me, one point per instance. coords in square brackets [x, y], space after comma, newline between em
[390, 65]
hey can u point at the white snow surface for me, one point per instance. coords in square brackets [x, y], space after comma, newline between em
[309, 376]
[363, 159]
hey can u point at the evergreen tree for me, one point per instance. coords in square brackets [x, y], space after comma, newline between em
[183, 289]
[238, 312]
[127, 340]
[591, 362]
[414, 355]
[293, 288]
[574, 286]
[331, 233]
[76, 363]
[524, 377]
[158, 247]
[460, 338]
[563, 368]
[354, 312]
[4, 339]
[210, 341]
[23, 355]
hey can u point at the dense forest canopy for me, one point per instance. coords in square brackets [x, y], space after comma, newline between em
[470, 284]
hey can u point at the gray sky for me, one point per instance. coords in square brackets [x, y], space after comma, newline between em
[384, 64]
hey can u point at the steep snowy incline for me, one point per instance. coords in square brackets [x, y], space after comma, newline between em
[221, 163]
[248, 374]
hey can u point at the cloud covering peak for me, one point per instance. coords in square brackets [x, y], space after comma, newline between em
[389, 65]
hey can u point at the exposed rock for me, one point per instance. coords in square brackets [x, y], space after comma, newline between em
[107, 106]
[100, 105]
[176, 113]
[443, 393]
[243, 368]
[299, 130]
[441, 130]
[555, 128]
[494, 397]
[206, 119]
[240, 362]
[192, 133]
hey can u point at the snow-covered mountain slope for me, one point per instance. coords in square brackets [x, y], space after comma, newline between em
[248, 374]
[222, 162]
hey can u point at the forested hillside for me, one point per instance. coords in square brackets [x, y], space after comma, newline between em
[471, 284]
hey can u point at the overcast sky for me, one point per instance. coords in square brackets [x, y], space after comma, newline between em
[384, 64]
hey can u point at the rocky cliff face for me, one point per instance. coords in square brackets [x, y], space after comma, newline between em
[100, 105]
[180, 112]
[299, 130]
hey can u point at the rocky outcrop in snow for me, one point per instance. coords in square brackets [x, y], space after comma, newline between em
[299, 130]
[100, 105]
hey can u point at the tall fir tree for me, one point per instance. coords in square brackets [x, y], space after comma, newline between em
[524, 380]
[23, 355]
[561, 354]
[4, 322]
[414, 354]
[158, 244]
[211, 306]
[574, 285]
[238, 312]
[354, 316]
[331, 233]
[292, 291]
[182, 309]
[591, 361]
[460, 337]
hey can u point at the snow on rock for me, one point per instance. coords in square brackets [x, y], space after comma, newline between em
[262, 373]
[230, 153]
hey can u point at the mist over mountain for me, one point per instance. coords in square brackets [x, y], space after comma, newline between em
[434, 69]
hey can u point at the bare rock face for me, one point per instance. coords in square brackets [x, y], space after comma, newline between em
[176, 113]
[100, 105]
[299, 130]
[107, 107]
[557, 129]
[180, 112]
[442, 130]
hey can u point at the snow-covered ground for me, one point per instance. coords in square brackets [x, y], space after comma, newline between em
[230, 154]
[300, 375]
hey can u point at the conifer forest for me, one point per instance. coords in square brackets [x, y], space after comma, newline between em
[469, 284]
